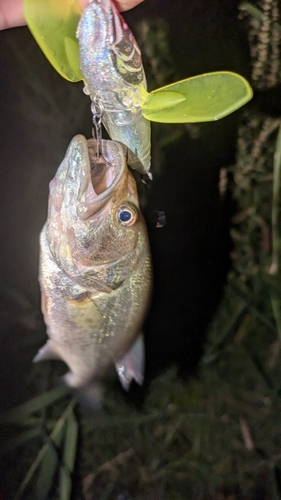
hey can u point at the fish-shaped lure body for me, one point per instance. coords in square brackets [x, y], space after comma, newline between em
[111, 64]
[95, 273]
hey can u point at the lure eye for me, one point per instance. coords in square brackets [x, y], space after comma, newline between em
[127, 214]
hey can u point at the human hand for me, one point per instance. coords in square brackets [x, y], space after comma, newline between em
[11, 11]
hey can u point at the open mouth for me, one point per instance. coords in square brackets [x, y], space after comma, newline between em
[102, 172]
[106, 169]
[100, 177]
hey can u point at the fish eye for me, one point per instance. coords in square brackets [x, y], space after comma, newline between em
[127, 214]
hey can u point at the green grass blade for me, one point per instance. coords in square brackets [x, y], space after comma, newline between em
[223, 338]
[23, 411]
[249, 300]
[275, 225]
[69, 456]
[256, 13]
[35, 464]
[48, 470]
[275, 212]
[252, 10]
[65, 484]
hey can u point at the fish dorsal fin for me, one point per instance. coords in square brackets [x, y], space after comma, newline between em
[131, 365]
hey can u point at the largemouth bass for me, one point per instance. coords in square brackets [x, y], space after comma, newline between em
[111, 64]
[95, 272]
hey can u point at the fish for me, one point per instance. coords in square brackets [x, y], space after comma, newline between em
[111, 65]
[95, 269]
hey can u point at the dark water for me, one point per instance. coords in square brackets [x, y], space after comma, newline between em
[41, 112]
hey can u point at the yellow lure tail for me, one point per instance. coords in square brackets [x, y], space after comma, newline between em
[202, 98]
[53, 24]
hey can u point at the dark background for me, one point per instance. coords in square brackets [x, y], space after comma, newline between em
[40, 113]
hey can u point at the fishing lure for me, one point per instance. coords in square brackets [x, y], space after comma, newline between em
[110, 62]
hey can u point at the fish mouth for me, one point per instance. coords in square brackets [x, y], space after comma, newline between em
[100, 176]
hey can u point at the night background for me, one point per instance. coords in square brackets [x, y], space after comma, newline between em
[206, 424]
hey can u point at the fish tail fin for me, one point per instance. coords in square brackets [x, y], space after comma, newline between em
[89, 396]
[131, 365]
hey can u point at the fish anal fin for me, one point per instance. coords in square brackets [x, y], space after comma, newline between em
[131, 365]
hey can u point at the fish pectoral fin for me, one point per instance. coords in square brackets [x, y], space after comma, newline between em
[47, 352]
[131, 365]
[84, 312]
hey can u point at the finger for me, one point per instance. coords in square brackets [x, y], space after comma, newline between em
[11, 11]
[122, 4]
[11, 14]
[127, 4]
